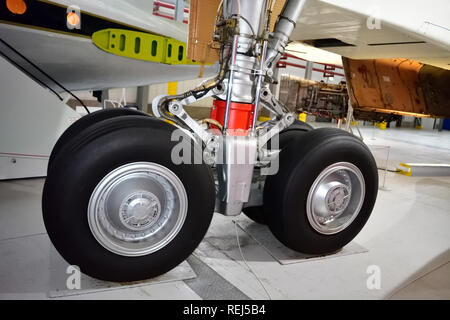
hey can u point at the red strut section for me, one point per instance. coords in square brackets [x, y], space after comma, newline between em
[241, 114]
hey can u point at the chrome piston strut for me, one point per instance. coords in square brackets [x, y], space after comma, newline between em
[230, 81]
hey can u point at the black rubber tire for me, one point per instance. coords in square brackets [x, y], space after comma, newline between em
[286, 136]
[299, 125]
[255, 213]
[85, 122]
[79, 167]
[285, 194]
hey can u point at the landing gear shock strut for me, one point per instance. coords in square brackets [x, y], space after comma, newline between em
[240, 116]
[249, 52]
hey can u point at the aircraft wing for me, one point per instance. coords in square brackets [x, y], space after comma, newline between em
[373, 29]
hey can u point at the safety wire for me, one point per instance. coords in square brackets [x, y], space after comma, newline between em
[245, 261]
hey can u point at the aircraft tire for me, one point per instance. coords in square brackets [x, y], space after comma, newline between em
[324, 192]
[116, 205]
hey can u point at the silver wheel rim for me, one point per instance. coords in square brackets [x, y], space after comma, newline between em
[335, 198]
[137, 209]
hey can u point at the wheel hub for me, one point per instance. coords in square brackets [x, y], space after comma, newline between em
[335, 198]
[140, 210]
[137, 209]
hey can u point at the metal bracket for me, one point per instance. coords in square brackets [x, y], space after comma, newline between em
[235, 173]
[271, 103]
[176, 108]
[285, 122]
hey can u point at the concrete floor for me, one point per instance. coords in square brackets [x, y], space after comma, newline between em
[407, 239]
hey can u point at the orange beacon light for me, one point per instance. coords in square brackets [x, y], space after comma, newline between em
[16, 6]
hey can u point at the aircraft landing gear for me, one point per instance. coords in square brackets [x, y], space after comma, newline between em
[117, 205]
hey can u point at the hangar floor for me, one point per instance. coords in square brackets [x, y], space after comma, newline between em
[407, 239]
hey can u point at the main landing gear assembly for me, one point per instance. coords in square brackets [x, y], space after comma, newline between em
[124, 200]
